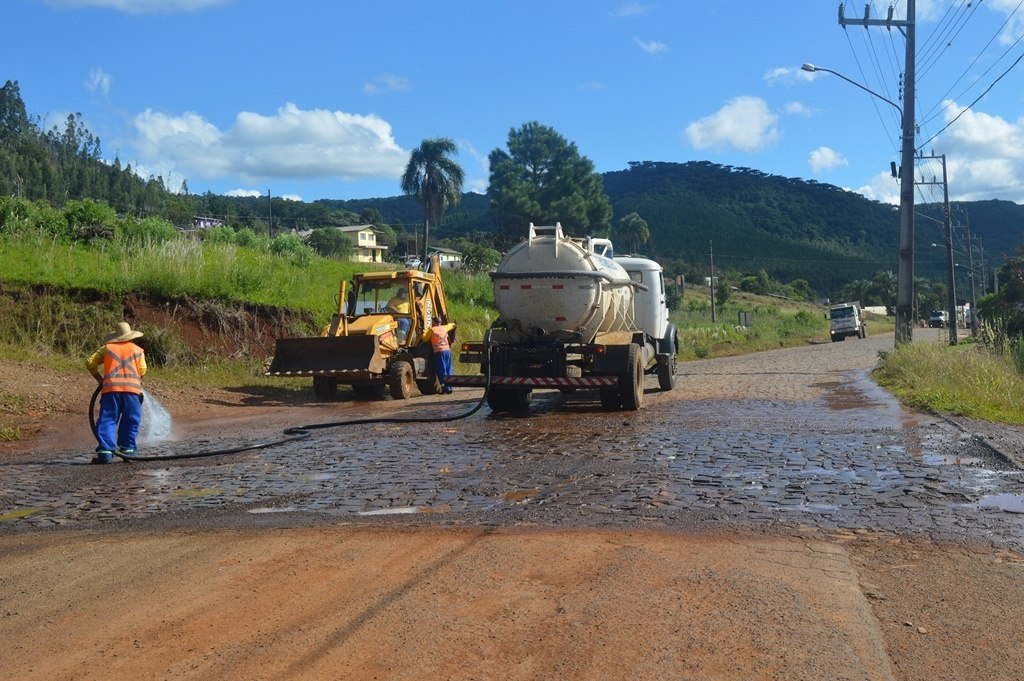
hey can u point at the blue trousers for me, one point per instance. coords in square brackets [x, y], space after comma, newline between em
[443, 367]
[119, 421]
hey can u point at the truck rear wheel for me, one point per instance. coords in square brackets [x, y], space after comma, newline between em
[400, 380]
[666, 372]
[610, 399]
[325, 388]
[631, 381]
[509, 399]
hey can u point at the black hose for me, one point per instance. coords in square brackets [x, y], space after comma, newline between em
[296, 433]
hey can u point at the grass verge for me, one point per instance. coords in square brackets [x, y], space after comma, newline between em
[966, 380]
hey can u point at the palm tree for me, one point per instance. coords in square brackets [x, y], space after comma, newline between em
[435, 179]
[634, 232]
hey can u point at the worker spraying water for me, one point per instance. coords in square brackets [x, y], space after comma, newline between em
[118, 366]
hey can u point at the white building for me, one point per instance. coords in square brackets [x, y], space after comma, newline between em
[364, 242]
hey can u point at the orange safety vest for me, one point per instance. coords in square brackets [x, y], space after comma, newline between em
[439, 338]
[121, 371]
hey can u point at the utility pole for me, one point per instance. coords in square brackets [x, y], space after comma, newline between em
[270, 215]
[950, 262]
[905, 268]
[711, 246]
[970, 264]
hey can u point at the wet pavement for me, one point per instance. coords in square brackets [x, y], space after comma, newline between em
[780, 441]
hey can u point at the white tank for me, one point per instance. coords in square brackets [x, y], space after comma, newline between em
[555, 286]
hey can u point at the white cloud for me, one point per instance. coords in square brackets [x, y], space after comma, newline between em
[984, 159]
[984, 154]
[293, 143]
[630, 10]
[476, 184]
[785, 75]
[882, 187]
[253, 193]
[824, 158]
[99, 81]
[745, 123]
[386, 82]
[797, 109]
[591, 86]
[651, 46]
[141, 6]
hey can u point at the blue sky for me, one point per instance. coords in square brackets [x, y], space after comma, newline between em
[325, 98]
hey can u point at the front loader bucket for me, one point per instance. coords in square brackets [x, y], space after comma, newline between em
[327, 356]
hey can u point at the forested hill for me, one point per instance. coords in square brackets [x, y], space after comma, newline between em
[791, 228]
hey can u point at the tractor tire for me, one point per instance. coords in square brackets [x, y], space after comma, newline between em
[400, 380]
[429, 385]
[325, 388]
[631, 381]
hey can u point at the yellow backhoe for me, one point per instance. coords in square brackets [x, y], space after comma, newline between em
[377, 341]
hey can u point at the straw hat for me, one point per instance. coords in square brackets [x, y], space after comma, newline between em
[122, 332]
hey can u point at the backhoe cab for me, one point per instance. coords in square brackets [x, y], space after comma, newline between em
[377, 341]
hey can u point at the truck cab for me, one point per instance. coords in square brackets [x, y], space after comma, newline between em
[938, 319]
[846, 319]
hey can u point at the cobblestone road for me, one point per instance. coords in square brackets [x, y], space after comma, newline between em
[775, 440]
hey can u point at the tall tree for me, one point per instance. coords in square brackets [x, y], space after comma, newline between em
[543, 179]
[14, 120]
[435, 179]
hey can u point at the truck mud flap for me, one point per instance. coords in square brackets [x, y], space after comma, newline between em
[326, 356]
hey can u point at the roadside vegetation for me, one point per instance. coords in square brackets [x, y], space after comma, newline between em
[970, 379]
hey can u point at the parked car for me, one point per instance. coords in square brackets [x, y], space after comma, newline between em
[413, 262]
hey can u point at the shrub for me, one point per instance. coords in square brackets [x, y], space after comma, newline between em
[219, 235]
[249, 239]
[145, 232]
[21, 216]
[330, 243]
[88, 219]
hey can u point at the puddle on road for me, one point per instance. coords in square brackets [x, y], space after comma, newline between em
[19, 513]
[194, 492]
[1010, 503]
[520, 495]
[855, 391]
[950, 460]
[281, 509]
[401, 510]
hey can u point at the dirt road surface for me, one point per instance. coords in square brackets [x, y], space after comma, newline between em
[449, 596]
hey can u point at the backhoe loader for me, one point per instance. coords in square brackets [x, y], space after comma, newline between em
[377, 341]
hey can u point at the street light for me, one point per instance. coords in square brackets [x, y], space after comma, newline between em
[811, 68]
[905, 268]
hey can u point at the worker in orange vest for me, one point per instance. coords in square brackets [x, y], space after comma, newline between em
[119, 367]
[442, 352]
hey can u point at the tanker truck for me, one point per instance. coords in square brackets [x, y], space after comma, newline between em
[572, 316]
